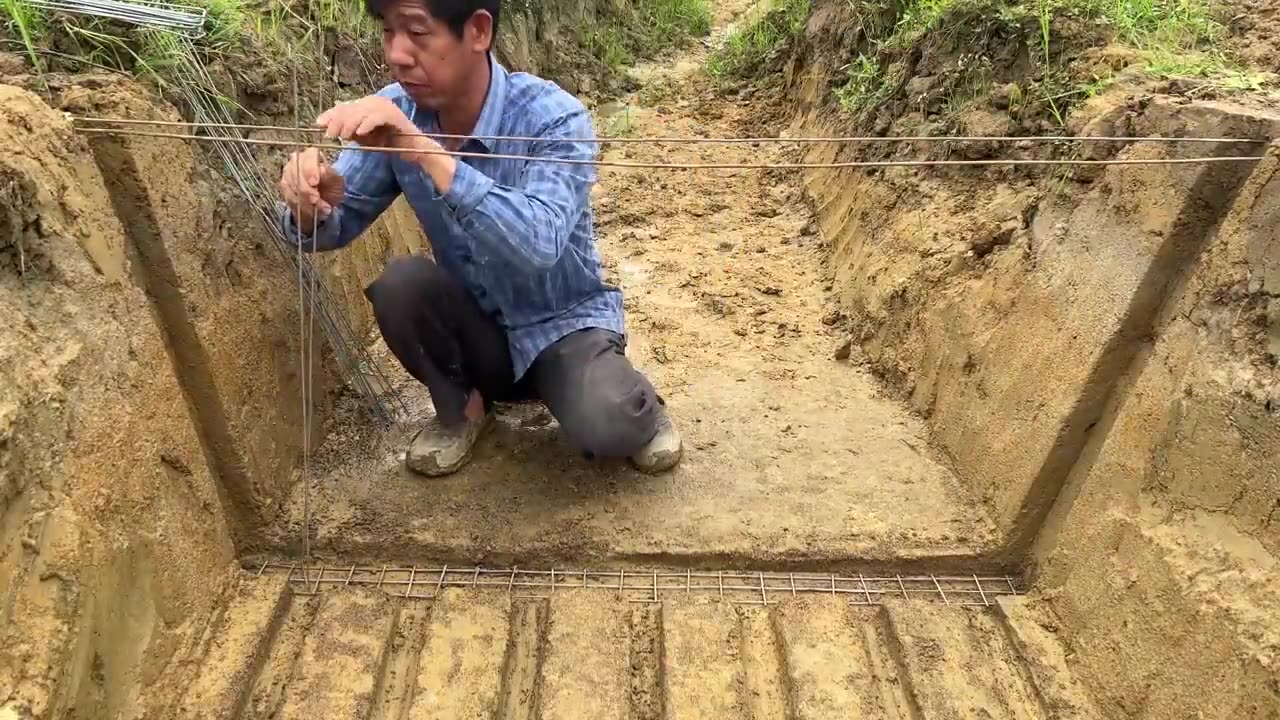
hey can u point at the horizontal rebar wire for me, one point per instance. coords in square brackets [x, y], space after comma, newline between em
[752, 588]
[707, 140]
[682, 166]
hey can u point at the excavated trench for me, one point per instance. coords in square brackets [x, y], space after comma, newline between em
[892, 381]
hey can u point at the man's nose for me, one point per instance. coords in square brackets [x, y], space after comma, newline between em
[400, 51]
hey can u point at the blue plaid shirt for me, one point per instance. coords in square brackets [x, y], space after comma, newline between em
[517, 233]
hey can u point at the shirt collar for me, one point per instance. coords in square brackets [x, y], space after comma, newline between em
[490, 120]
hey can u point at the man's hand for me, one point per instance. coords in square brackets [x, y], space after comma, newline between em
[373, 121]
[310, 188]
[376, 121]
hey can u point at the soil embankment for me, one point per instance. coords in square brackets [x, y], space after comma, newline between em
[151, 423]
[1093, 352]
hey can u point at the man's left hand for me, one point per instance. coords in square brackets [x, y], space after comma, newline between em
[376, 121]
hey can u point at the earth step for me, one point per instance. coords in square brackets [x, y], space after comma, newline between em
[839, 661]
[460, 670]
[282, 661]
[959, 663]
[239, 648]
[1031, 626]
[586, 671]
[343, 656]
[720, 660]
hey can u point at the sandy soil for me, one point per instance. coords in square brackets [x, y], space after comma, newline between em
[574, 654]
[792, 454]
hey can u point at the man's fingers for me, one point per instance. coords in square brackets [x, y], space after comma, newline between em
[368, 125]
[311, 167]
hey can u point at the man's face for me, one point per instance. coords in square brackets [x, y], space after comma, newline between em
[426, 58]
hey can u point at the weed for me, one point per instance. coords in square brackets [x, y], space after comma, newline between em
[28, 23]
[974, 87]
[670, 20]
[617, 125]
[609, 46]
[865, 87]
[745, 50]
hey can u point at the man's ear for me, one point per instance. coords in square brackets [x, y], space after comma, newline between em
[480, 30]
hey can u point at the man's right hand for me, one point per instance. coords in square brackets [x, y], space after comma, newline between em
[310, 188]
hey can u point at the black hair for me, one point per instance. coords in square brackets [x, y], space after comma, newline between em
[453, 13]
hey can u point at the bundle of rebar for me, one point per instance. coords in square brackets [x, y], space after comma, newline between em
[185, 20]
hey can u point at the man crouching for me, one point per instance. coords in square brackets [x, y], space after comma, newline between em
[513, 307]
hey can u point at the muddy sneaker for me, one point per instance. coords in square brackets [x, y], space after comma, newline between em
[663, 451]
[439, 449]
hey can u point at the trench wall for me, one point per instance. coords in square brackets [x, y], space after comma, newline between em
[150, 423]
[1094, 354]
[1161, 557]
[114, 545]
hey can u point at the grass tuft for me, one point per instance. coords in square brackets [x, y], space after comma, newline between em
[746, 50]
[644, 28]
[27, 23]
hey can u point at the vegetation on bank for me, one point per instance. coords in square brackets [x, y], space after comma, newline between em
[266, 35]
[265, 41]
[749, 49]
[645, 29]
[1165, 38]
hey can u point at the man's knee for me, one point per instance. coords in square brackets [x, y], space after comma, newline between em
[612, 422]
[406, 282]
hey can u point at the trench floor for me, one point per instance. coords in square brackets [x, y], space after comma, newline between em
[794, 457]
[363, 652]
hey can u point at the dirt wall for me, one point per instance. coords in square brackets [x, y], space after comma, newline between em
[150, 405]
[1092, 350]
[1165, 544]
[114, 547]
[545, 37]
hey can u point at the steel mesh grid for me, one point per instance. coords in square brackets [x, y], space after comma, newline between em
[650, 586]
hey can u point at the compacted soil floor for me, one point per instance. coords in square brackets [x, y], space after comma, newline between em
[794, 457]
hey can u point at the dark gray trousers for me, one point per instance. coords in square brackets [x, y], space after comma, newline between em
[606, 408]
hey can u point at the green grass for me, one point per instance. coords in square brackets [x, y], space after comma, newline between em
[669, 21]
[1183, 27]
[747, 49]
[609, 45]
[644, 28]
[866, 86]
[27, 23]
[1174, 38]
[271, 30]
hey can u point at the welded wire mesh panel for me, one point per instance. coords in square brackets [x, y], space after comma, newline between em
[754, 588]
